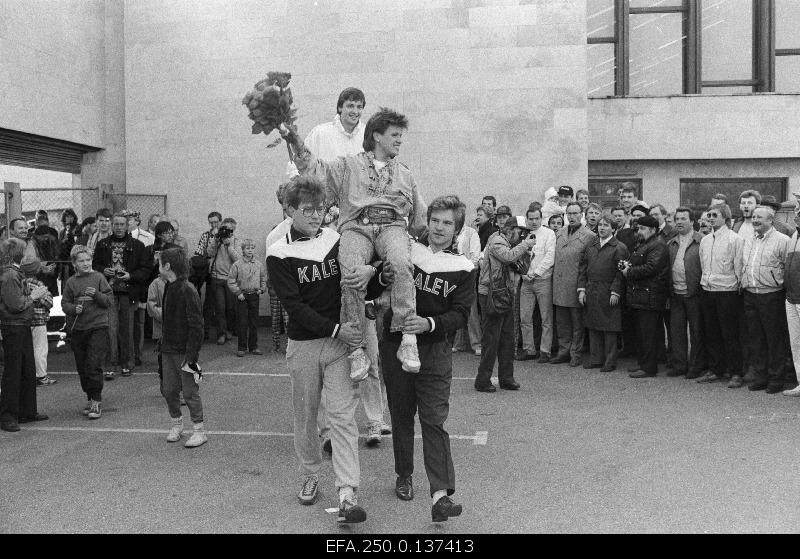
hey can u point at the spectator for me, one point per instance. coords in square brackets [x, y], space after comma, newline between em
[181, 331]
[66, 240]
[551, 206]
[748, 200]
[555, 222]
[278, 315]
[665, 230]
[124, 262]
[705, 225]
[582, 197]
[571, 243]
[247, 280]
[619, 219]
[592, 215]
[565, 194]
[502, 215]
[718, 199]
[103, 228]
[670, 219]
[214, 220]
[134, 221]
[484, 221]
[469, 338]
[45, 239]
[721, 262]
[497, 324]
[537, 290]
[769, 201]
[41, 314]
[177, 239]
[224, 250]
[87, 297]
[18, 383]
[428, 392]
[489, 202]
[684, 298]
[600, 288]
[85, 231]
[792, 285]
[646, 293]
[628, 235]
[151, 223]
[764, 257]
[627, 198]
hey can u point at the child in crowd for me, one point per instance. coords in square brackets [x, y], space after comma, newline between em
[18, 385]
[181, 337]
[87, 297]
[247, 280]
[41, 314]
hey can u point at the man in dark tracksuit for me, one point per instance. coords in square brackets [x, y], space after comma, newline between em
[445, 289]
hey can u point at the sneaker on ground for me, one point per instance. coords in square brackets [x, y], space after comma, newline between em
[198, 438]
[350, 512]
[126, 372]
[95, 412]
[85, 411]
[374, 435]
[309, 491]
[793, 392]
[444, 509]
[386, 429]
[409, 357]
[175, 431]
[45, 381]
[478, 352]
[359, 365]
[109, 375]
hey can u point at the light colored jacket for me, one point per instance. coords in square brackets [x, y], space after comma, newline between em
[222, 259]
[544, 253]
[155, 303]
[764, 260]
[498, 255]
[721, 260]
[330, 140]
[247, 277]
[569, 253]
[469, 244]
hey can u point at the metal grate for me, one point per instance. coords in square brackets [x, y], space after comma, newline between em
[145, 204]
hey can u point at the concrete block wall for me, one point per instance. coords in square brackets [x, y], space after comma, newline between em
[495, 92]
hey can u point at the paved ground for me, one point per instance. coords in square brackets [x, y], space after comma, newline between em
[573, 451]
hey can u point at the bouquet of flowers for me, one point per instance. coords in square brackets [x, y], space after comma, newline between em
[270, 106]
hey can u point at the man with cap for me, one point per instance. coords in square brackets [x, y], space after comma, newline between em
[502, 250]
[565, 194]
[502, 214]
[646, 292]
[571, 242]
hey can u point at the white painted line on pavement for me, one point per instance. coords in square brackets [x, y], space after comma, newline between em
[479, 438]
[216, 373]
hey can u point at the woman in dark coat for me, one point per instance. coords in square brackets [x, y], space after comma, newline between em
[600, 288]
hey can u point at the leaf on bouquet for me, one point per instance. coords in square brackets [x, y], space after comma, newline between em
[276, 142]
[257, 128]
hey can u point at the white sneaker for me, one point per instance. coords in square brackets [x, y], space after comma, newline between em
[198, 437]
[176, 430]
[793, 392]
[386, 429]
[359, 365]
[95, 410]
[408, 355]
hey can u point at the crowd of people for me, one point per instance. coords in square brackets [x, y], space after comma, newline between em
[374, 291]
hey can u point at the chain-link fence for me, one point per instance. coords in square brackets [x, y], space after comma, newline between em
[83, 201]
[145, 204]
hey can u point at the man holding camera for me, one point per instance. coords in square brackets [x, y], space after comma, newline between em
[124, 262]
[223, 250]
[214, 219]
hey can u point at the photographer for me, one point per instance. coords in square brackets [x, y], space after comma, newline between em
[202, 278]
[124, 262]
[223, 250]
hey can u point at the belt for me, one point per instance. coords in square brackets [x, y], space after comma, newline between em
[249, 291]
[379, 216]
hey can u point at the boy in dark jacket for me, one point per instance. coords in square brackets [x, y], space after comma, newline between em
[86, 299]
[181, 336]
[445, 289]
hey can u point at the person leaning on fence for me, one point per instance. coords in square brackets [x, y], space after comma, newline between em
[18, 384]
[87, 298]
[41, 314]
[247, 280]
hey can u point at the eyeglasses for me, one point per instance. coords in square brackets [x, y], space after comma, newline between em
[308, 212]
[712, 214]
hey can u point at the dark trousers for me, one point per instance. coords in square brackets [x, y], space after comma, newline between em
[247, 322]
[139, 315]
[123, 308]
[209, 304]
[497, 344]
[603, 348]
[426, 392]
[628, 332]
[175, 381]
[225, 306]
[721, 311]
[685, 314]
[18, 386]
[90, 348]
[569, 322]
[768, 334]
[649, 334]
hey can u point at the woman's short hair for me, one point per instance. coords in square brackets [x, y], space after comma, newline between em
[177, 260]
[380, 122]
[723, 209]
[247, 243]
[607, 218]
[487, 210]
[163, 227]
[304, 189]
[78, 250]
[13, 250]
[65, 213]
[449, 202]
[594, 206]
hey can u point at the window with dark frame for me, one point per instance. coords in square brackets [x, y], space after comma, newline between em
[605, 191]
[697, 193]
[644, 47]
